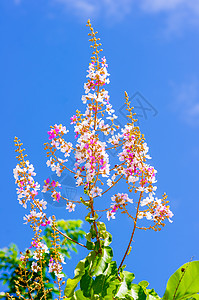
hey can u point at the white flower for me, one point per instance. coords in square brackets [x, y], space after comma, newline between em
[79, 181]
[148, 215]
[49, 162]
[140, 215]
[140, 189]
[34, 267]
[70, 206]
[110, 215]
[107, 80]
[109, 182]
[132, 179]
[41, 203]
[62, 259]
[59, 275]
[44, 247]
[146, 201]
[37, 255]
[96, 191]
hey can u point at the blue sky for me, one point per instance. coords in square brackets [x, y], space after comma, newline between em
[152, 50]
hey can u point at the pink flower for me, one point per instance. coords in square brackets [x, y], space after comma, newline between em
[70, 206]
[34, 244]
[56, 196]
[52, 134]
[53, 183]
[47, 181]
[22, 258]
[73, 119]
[48, 222]
[114, 209]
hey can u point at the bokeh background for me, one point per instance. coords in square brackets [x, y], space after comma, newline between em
[152, 50]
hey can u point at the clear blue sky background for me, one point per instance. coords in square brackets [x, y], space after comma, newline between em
[151, 48]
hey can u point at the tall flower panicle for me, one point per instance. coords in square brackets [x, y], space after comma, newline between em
[27, 188]
[27, 191]
[92, 163]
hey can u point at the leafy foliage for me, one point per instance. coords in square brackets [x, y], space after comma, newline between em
[98, 274]
[9, 257]
[184, 283]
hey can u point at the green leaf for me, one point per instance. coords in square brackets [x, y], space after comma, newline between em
[79, 296]
[105, 285]
[152, 295]
[86, 203]
[143, 283]
[105, 235]
[107, 254]
[125, 285]
[100, 284]
[128, 278]
[184, 283]
[90, 245]
[137, 292]
[101, 261]
[129, 290]
[88, 236]
[89, 218]
[101, 226]
[112, 289]
[72, 283]
[86, 284]
[194, 297]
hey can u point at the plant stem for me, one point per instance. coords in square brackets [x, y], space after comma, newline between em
[134, 227]
[95, 225]
[67, 237]
[63, 234]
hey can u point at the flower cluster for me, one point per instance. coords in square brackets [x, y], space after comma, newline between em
[120, 200]
[55, 130]
[27, 187]
[40, 249]
[50, 186]
[27, 191]
[162, 211]
[56, 266]
[57, 142]
[134, 154]
[91, 158]
[97, 99]
[96, 78]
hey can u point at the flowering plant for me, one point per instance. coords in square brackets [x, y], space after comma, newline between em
[14, 273]
[98, 275]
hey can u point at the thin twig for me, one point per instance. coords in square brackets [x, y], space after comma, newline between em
[134, 227]
[67, 237]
